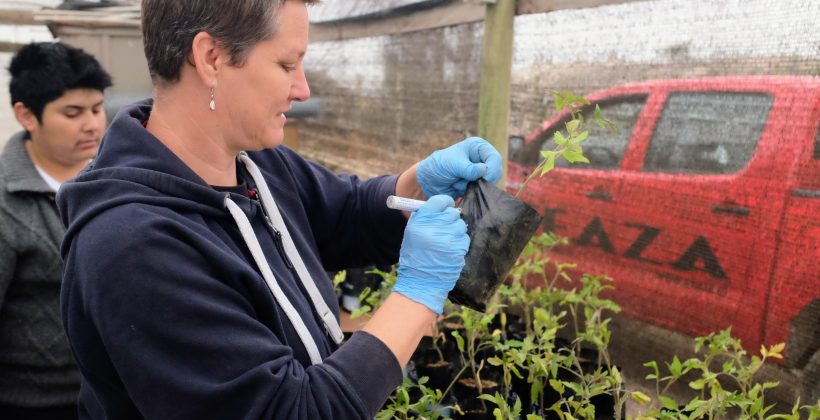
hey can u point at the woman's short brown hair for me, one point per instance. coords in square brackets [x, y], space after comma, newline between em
[169, 28]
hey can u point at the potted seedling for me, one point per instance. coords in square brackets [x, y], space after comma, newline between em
[476, 341]
[724, 378]
[430, 360]
[370, 298]
[413, 400]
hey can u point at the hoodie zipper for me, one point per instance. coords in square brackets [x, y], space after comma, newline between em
[277, 235]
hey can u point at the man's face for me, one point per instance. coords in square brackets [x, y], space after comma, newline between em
[70, 128]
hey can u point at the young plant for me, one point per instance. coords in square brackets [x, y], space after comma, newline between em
[568, 146]
[503, 410]
[338, 279]
[372, 299]
[725, 380]
[532, 269]
[512, 357]
[400, 405]
[550, 367]
[477, 338]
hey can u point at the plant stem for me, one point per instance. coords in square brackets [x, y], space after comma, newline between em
[535, 172]
[530, 177]
[453, 382]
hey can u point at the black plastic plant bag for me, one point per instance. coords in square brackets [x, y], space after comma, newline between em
[499, 226]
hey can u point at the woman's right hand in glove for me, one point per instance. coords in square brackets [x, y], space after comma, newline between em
[432, 253]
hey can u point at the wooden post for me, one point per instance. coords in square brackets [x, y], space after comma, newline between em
[496, 69]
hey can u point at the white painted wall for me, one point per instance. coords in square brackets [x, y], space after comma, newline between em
[8, 125]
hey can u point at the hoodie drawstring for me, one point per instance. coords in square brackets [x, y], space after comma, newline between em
[319, 304]
[258, 256]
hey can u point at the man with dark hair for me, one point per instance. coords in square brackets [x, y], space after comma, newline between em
[57, 96]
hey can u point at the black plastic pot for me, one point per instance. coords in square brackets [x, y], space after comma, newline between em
[521, 388]
[499, 226]
[427, 362]
[466, 393]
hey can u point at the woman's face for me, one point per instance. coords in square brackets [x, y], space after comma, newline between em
[255, 95]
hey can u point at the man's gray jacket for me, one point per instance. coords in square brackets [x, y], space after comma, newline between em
[36, 365]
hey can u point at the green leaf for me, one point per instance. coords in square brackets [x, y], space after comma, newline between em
[698, 385]
[487, 397]
[579, 138]
[640, 397]
[564, 99]
[556, 408]
[536, 389]
[756, 406]
[559, 138]
[576, 388]
[654, 366]
[560, 102]
[495, 361]
[616, 374]
[675, 368]
[516, 408]
[668, 403]
[549, 163]
[459, 341]
[339, 278]
[572, 127]
[776, 350]
[574, 157]
[694, 404]
[557, 385]
[364, 294]
[362, 311]
[590, 411]
[403, 395]
[699, 342]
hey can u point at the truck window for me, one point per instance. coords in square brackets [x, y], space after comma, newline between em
[604, 149]
[707, 132]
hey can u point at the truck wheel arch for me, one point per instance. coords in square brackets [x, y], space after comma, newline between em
[804, 336]
[803, 348]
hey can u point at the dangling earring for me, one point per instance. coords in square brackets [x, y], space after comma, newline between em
[212, 104]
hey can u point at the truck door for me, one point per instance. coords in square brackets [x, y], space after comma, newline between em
[575, 196]
[793, 310]
[700, 214]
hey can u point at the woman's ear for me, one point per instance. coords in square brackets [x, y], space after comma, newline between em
[208, 58]
[25, 117]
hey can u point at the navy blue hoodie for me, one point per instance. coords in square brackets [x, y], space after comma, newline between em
[166, 311]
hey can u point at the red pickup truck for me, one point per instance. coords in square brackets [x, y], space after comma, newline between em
[704, 207]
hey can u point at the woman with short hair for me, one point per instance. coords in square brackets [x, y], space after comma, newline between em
[197, 245]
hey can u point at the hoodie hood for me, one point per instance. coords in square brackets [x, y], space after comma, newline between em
[133, 166]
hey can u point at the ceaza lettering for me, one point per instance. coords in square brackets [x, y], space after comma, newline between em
[698, 256]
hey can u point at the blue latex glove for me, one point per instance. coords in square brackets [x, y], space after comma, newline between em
[448, 171]
[432, 253]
